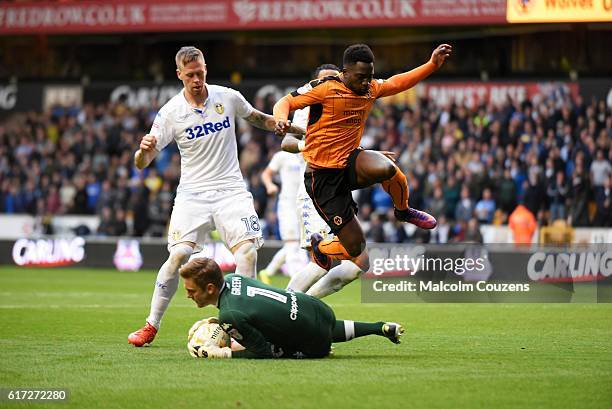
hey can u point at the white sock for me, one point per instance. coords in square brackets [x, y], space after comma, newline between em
[294, 257]
[277, 261]
[303, 280]
[246, 260]
[349, 329]
[335, 279]
[167, 282]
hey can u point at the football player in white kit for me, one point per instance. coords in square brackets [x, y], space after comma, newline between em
[290, 167]
[314, 280]
[212, 193]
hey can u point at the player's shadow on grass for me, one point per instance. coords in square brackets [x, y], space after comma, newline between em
[368, 357]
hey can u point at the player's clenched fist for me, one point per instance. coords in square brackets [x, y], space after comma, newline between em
[281, 127]
[146, 153]
[440, 54]
[148, 143]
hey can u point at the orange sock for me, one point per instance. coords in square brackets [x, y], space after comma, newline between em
[397, 188]
[334, 249]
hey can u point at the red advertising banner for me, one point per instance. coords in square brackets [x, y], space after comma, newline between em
[474, 93]
[167, 15]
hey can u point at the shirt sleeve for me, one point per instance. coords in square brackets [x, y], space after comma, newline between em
[236, 324]
[312, 93]
[162, 129]
[277, 162]
[402, 82]
[241, 105]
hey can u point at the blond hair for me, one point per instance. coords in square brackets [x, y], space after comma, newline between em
[186, 55]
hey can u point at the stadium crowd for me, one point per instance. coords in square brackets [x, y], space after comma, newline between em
[466, 166]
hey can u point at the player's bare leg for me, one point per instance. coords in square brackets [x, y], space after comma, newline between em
[165, 288]
[374, 167]
[245, 254]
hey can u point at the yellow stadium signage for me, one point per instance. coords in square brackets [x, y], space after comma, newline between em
[558, 11]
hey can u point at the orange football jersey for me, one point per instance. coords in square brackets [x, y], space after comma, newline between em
[338, 115]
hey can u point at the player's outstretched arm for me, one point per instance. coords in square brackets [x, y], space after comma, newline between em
[264, 121]
[402, 82]
[147, 152]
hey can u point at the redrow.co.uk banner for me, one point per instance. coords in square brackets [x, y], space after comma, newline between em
[167, 15]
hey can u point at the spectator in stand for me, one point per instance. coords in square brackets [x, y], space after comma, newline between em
[535, 194]
[119, 224]
[579, 195]
[93, 189]
[416, 191]
[441, 232]
[507, 193]
[381, 201]
[52, 203]
[600, 171]
[79, 205]
[437, 204]
[523, 224]
[603, 215]
[465, 207]
[376, 232]
[105, 228]
[472, 233]
[452, 194]
[485, 208]
[557, 193]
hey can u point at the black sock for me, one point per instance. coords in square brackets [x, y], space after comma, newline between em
[345, 330]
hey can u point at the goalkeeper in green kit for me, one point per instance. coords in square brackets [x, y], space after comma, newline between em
[269, 322]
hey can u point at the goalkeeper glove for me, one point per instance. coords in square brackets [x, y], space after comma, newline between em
[209, 351]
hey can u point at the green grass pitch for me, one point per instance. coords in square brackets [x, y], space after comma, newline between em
[67, 328]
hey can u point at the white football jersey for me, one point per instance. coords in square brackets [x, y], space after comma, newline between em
[300, 118]
[291, 170]
[206, 138]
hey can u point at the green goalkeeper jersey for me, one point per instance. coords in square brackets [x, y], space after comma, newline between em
[274, 323]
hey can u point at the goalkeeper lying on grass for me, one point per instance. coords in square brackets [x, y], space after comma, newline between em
[269, 322]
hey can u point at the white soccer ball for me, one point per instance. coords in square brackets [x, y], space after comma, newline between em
[207, 332]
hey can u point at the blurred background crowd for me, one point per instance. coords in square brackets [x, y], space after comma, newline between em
[469, 165]
[466, 166]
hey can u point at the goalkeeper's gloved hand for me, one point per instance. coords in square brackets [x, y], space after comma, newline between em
[209, 351]
[198, 324]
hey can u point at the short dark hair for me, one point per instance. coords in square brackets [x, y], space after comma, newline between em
[203, 271]
[322, 67]
[356, 53]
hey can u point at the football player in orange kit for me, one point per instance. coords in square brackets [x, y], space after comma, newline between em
[339, 107]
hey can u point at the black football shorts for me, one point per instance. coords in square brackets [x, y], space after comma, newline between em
[330, 191]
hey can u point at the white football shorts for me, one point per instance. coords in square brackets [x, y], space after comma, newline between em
[230, 211]
[288, 223]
